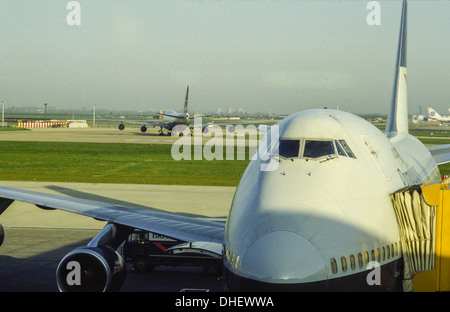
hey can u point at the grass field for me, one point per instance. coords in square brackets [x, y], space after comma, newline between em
[111, 163]
[119, 163]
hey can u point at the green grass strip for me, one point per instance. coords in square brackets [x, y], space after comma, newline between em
[111, 163]
[116, 163]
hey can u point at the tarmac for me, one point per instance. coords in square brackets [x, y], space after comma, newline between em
[36, 239]
[95, 135]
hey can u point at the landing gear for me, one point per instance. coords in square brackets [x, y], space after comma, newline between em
[161, 132]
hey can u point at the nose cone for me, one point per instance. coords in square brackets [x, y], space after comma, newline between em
[283, 257]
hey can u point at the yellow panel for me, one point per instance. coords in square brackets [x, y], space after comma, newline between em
[432, 193]
[445, 242]
[438, 279]
[426, 281]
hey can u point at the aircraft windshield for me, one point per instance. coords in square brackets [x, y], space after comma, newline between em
[347, 149]
[309, 148]
[289, 148]
[339, 148]
[314, 149]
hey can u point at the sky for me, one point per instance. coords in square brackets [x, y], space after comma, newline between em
[274, 56]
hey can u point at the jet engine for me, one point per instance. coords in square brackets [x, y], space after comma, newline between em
[143, 128]
[99, 269]
[96, 267]
[2, 234]
[121, 126]
[4, 204]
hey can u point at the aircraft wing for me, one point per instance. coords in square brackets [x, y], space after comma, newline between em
[173, 116]
[152, 123]
[168, 224]
[440, 153]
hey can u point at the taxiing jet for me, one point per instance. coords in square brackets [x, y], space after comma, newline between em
[171, 119]
[310, 223]
[434, 116]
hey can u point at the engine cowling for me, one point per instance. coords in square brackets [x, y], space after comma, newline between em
[2, 234]
[91, 269]
[143, 128]
[4, 204]
[121, 126]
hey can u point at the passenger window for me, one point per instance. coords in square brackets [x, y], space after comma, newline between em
[314, 149]
[352, 262]
[289, 148]
[344, 264]
[360, 260]
[333, 265]
[347, 149]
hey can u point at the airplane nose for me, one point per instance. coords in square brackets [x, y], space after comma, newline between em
[283, 257]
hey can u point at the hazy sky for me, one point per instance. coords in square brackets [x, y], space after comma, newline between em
[283, 56]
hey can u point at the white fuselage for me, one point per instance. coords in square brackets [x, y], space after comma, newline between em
[181, 118]
[434, 116]
[306, 220]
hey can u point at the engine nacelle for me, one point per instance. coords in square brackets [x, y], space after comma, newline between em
[89, 269]
[2, 234]
[121, 126]
[143, 128]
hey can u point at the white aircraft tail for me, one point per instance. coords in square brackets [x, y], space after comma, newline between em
[432, 113]
[398, 116]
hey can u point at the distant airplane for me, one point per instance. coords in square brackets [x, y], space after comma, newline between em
[434, 116]
[315, 222]
[419, 119]
[171, 119]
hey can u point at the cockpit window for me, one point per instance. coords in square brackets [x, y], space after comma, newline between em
[314, 149]
[289, 148]
[339, 148]
[347, 149]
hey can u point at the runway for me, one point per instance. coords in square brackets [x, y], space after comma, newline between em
[36, 239]
[103, 135]
[94, 135]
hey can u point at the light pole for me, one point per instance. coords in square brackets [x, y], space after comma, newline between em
[94, 116]
[3, 113]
